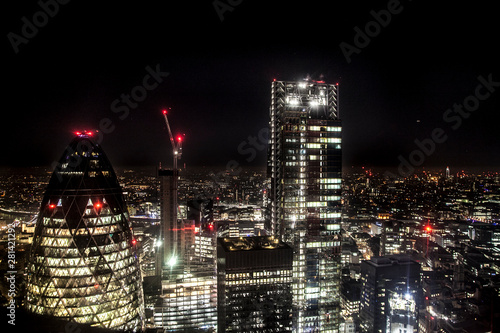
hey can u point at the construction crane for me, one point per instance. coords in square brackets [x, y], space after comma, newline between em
[176, 144]
[177, 153]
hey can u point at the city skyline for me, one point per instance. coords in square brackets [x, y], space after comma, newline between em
[418, 62]
[434, 218]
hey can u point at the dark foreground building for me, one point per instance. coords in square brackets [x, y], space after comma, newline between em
[254, 285]
[83, 265]
[390, 295]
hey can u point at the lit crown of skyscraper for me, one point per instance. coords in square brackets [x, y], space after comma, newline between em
[83, 266]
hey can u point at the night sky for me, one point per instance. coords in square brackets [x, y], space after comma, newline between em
[397, 87]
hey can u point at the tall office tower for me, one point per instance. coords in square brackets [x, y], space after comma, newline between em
[83, 265]
[305, 169]
[254, 285]
[390, 295]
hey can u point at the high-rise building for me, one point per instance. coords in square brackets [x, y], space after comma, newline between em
[83, 265]
[305, 169]
[171, 252]
[186, 264]
[254, 285]
[390, 295]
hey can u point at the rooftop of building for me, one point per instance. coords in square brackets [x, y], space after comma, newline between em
[232, 244]
[399, 259]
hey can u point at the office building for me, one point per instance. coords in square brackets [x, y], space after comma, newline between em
[188, 303]
[254, 285]
[305, 169]
[83, 265]
[390, 295]
[186, 264]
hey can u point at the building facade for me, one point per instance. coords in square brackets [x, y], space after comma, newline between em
[83, 265]
[171, 251]
[254, 285]
[305, 169]
[390, 295]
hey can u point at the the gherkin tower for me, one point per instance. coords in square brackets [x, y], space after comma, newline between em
[83, 264]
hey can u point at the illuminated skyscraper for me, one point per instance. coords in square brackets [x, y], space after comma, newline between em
[186, 264]
[83, 264]
[305, 167]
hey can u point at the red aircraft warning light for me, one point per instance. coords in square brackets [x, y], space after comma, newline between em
[97, 205]
[84, 133]
[52, 206]
[428, 229]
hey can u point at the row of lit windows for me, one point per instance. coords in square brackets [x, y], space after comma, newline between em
[91, 221]
[329, 215]
[330, 180]
[323, 244]
[303, 128]
[323, 146]
[329, 187]
[73, 252]
[260, 281]
[119, 318]
[325, 128]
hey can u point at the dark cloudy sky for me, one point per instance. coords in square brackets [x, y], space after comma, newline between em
[395, 90]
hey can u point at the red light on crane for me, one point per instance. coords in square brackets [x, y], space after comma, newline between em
[164, 111]
[134, 241]
[52, 206]
[97, 205]
[179, 138]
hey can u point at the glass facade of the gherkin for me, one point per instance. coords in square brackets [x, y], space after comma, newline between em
[83, 264]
